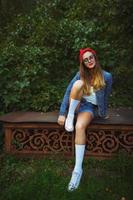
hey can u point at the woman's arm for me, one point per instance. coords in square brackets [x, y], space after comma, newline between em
[65, 101]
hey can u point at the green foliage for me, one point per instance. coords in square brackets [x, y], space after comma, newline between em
[39, 51]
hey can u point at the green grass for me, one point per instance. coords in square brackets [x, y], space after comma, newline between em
[47, 178]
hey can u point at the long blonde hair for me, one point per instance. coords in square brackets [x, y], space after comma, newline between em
[95, 75]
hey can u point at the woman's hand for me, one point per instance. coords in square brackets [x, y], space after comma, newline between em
[61, 120]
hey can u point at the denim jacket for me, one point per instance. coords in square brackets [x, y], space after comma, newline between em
[101, 95]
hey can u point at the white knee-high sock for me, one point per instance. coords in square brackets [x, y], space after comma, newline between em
[79, 153]
[72, 107]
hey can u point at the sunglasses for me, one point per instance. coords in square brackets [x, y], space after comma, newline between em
[86, 60]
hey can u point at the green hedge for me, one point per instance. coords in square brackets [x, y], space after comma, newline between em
[39, 53]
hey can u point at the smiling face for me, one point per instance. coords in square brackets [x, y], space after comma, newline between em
[89, 60]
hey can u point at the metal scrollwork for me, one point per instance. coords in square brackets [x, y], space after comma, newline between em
[53, 140]
[108, 141]
[41, 140]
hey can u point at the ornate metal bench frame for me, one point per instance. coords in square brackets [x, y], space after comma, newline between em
[103, 140]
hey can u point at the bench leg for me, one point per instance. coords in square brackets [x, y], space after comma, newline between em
[8, 137]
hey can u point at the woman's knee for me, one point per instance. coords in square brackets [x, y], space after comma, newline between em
[77, 90]
[80, 127]
[78, 84]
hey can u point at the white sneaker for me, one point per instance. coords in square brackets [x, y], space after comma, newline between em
[69, 123]
[75, 180]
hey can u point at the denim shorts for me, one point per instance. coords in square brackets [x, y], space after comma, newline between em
[86, 106]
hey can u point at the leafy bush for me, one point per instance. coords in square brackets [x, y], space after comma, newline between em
[39, 53]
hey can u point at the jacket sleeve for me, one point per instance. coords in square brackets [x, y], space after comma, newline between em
[108, 90]
[65, 101]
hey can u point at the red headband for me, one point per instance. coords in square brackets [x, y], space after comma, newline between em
[82, 51]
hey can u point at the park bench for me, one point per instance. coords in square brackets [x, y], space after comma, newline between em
[38, 133]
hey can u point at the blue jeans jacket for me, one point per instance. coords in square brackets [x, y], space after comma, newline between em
[101, 95]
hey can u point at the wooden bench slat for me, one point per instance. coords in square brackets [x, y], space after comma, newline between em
[117, 116]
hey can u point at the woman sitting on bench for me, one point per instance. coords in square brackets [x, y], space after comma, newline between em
[87, 96]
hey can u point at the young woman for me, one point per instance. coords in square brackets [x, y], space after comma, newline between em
[87, 96]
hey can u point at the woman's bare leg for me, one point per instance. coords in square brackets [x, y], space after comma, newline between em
[83, 120]
[77, 90]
